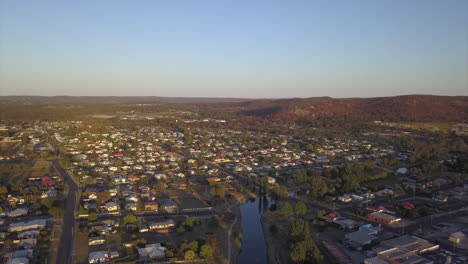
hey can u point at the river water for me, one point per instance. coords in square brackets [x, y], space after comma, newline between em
[253, 248]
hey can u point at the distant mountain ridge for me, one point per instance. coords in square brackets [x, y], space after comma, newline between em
[419, 108]
[398, 108]
[64, 99]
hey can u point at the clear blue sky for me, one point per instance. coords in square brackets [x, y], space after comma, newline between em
[241, 48]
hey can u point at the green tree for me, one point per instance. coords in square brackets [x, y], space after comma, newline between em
[49, 201]
[318, 188]
[189, 255]
[193, 245]
[93, 217]
[298, 252]
[300, 208]
[301, 176]
[82, 210]
[213, 222]
[131, 219]
[321, 213]
[299, 230]
[189, 221]
[56, 212]
[279, 192]
[286, 211]
[169, 253]
[206, 251]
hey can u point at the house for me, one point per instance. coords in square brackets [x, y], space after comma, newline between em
[49, 193]
[331, 216]
[97, 240]
[18, 212]
[98, 257]
[401, 171]
[411, 244]
[92, 196]
[131, 198]
[27, 243]
[112, 206]
[114, 254]
[383, 218]
[374, 209]
[160, 176]
[345, 224]
[371, 230]
[151, 206]
[403, 249]
[47, 182]
[131, 206]
[407, 205]
[168, 205]
[152, 251]
[143, 228]
[133, 178]
[90, 205]
[359, 239]
[24, 253]
[162, 225]
[13, 200]
[28, 234]
[271, 180]
[23, 226]
[457, 237]
[345, 198]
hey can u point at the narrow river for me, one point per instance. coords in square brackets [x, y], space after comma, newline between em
[253, 249]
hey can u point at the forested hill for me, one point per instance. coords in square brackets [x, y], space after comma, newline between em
[399, 108]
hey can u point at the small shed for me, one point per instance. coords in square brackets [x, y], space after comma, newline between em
[456, 237]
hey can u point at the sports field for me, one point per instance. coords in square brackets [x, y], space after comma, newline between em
[14, 173]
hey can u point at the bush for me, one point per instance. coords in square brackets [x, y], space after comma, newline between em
[189, 255]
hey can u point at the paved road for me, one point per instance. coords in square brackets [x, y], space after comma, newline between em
[197, 213]
[65, 249]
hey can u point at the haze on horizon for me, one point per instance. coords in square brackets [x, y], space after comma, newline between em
[245, 48]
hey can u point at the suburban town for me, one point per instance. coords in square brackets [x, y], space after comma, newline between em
[72, 192]
[234, 132]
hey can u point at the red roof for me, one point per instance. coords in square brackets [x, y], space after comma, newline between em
[46, 181]
[407, 204]
[375, 209]
[331, 216]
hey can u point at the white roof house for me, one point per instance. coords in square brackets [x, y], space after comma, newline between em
[22, 226]
[152, 251]
[97, 256]
[18, 212]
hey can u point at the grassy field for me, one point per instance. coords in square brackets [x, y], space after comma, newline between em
[15, 173]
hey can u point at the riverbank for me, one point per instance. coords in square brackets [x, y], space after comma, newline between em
[276, 244]
[235, 226]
